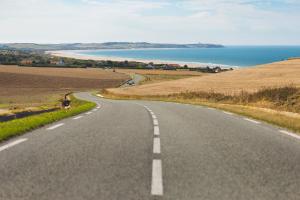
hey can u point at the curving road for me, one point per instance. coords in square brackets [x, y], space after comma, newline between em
[151, 150]
[135, 79]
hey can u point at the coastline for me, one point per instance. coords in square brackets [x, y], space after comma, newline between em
[76, 54]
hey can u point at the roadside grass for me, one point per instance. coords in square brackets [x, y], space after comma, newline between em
[19, 126]
[271, 105]
[3, 105]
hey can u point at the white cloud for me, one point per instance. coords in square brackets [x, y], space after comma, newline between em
[218, 21]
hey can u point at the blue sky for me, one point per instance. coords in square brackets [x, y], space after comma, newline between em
[235, 22]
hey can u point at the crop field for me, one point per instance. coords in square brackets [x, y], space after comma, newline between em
[156, 75]
[252, 79]
[159, 72]
[31, 86]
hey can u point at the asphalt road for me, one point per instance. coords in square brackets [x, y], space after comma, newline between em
[136, 79]
[151, 150]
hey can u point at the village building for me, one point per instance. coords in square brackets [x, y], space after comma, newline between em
[26, 62]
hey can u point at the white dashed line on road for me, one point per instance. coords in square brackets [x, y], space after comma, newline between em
[251, 120]
[88, 113]
[11, 144]
[55, 126]
[95, 109]
[157, 181]
[156, 145]
[156, 130]
[78, 117]
[290, 134]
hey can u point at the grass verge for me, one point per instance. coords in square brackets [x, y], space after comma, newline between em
[272, 116]
[19, 126]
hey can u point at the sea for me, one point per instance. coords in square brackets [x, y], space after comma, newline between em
[235, 56]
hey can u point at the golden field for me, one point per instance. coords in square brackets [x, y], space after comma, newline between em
[232, 82]
[159, 72]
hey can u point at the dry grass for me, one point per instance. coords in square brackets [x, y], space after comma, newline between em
[156, 78]
[231, 82]
[31, 86]
[159, 72]
[284, 98]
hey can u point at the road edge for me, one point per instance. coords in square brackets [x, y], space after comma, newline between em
[279, 120]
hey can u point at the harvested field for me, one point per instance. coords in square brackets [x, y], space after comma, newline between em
[32, 86]
[232, 82]
[159, 72]
[157, 75]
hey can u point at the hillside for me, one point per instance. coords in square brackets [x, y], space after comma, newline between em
[107, 45]
[232, 82]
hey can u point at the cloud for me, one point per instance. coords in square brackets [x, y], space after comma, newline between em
[219, 21]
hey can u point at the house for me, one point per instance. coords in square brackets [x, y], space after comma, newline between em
[217, 69]
[174, 65]
[26, 62]
[168, 67]
[150, 66]
[61, 62]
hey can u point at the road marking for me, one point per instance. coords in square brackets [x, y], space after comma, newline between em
[290, 134]
[156, 130]
[95, 109]
[253, 121]
[210, 108]
[55, 126]
[88, 113]
[77, 117]
[228, 113]
[99, 95]
[156, 145]
[98, 107]
[157, 182]
[12, 144]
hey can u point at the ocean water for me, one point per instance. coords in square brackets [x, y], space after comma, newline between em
[241, 56]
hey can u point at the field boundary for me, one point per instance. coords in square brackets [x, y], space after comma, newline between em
[19, 126]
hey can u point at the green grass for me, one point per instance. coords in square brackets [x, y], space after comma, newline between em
[19, 126]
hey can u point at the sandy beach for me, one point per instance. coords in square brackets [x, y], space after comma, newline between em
[76, 54]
